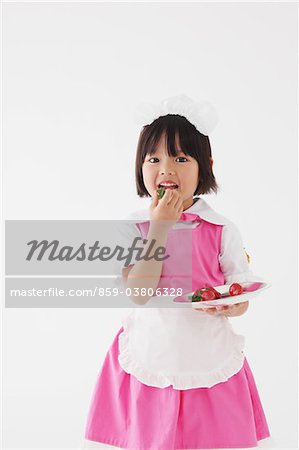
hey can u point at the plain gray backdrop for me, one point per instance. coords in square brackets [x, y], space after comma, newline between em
[72, 76]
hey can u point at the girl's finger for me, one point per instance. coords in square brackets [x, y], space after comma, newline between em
[155, 199]
[168, 196]
[178, 202]
[181, 209]
[210, 310]
[173, 197]
[165, 198]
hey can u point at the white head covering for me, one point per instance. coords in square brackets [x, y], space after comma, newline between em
[199, 112]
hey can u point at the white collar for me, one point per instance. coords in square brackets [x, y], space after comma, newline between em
[200, 208]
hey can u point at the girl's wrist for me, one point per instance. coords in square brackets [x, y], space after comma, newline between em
[159, 228]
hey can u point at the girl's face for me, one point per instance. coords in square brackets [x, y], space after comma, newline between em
[181, 169]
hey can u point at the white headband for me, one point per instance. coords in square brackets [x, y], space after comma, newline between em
[200, 113]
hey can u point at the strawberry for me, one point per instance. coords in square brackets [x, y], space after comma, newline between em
[196, 297]
[235, 289]
[208, 295]
[217, 294]
[204, 294]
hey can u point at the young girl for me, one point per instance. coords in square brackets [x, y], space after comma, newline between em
[177, 378]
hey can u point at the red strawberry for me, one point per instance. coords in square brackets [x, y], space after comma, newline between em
[203, 294]
[217, 294]
[235, 289]
[208, 295]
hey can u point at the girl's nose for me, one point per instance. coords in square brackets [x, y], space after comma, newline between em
[169, 171]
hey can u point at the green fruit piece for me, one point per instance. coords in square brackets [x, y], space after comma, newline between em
[196, 297]
[161, 191]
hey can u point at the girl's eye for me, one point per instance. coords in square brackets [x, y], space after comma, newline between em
[180, 157]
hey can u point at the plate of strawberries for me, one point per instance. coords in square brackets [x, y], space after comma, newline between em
[227, 294]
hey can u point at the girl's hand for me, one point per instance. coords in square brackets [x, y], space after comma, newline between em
[169, 208]
[228, 310]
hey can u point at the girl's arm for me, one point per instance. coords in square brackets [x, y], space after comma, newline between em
[146, 274]
[235, 267]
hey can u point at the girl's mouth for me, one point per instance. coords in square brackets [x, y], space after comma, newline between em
[168, 186]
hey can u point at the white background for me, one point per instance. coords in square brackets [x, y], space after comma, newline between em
[72, 76]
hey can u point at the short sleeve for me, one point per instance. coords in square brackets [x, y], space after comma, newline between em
[233, 259]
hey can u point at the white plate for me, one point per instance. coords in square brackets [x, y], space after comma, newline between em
[256, 288]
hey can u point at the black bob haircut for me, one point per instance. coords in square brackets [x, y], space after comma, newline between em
[192, 143]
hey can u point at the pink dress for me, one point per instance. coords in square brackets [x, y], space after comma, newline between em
[130, 414]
